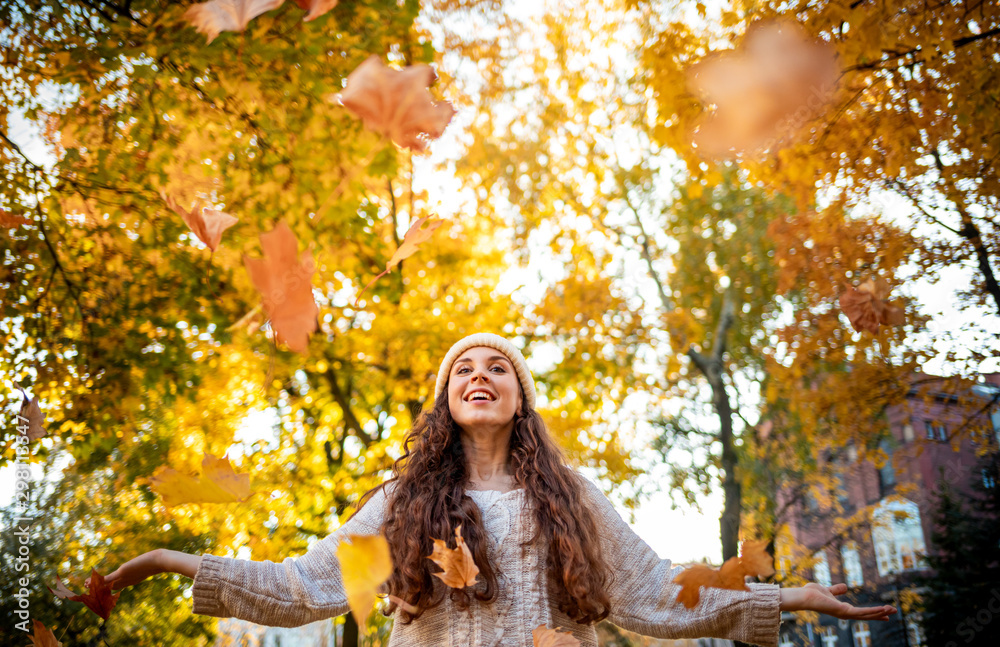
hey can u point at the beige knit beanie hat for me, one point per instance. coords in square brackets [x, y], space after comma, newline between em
[490, 341]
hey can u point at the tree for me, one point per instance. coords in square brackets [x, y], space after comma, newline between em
[965, 559]
[909, 119]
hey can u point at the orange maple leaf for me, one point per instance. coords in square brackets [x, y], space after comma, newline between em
[691, 579]
[98, 598]
[764, 91]
[397, 103]
[460, 568]
[9, 220]
[218, 483]
[43, 636]
[216, 16]
[415, 236]
[207, 224]
[542, 636]
[316, 8]
[866, 306]
[285, 283]
[32, 415]
[753, 561]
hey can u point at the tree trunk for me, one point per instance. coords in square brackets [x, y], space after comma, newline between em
[350, 631]
[732, 493]
[713, 368]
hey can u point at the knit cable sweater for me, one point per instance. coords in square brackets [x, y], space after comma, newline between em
[643, 598]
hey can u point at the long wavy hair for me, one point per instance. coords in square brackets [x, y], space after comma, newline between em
[428, 501]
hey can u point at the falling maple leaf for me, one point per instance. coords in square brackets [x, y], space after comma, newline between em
[98, 598]
[397, 103]
[43, 636]
[692, 579]
[754, 561]
[9, 220]
[415, 236]
[207, 224]
[212, 18]
[867, 308]
[460, 568]
[316, 8]
[31, 413]
[365, 564]
[285, 282]
[542, 636]
[764, 91]
[218, 483]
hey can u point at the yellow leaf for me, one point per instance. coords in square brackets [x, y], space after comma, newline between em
[364, 564]
[217, 484]
[542, 636]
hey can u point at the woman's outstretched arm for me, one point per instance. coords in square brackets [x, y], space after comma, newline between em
[297, 591]
[644, 597]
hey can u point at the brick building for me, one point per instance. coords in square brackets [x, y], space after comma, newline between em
[879, 559]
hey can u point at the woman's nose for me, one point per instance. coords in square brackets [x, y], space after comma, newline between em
[480, 375]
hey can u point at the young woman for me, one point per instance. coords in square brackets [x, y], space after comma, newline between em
[550, 547]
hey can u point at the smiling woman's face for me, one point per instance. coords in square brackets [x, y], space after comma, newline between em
[483, 389]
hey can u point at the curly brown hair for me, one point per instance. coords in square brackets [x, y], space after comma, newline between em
[429, 500]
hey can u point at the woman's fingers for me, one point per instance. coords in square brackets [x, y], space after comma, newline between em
[133, 571]
[870, 613]
[838, 589]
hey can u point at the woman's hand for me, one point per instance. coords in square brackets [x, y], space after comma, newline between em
[152, 563]
[816, 597]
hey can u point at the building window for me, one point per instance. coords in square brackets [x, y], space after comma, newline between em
[821, 568]
[862, 636]
[852, 564]
[991, 392]
[887, 473]
[898, 537]
[784, 567]
[829, 637]
[935, 431]
[908, 432]
[914, 632]
[843, 489]
[988, 481]
[786, 641]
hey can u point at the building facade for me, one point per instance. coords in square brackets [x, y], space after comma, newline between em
[876, 543]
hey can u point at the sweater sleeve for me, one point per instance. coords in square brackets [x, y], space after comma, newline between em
[295, 592]
[644, 597]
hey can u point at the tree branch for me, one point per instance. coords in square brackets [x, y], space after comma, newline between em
[901, 188]
[970, 231]
[726, 320]
[965, 40]
[350, 419]
[644, 250]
